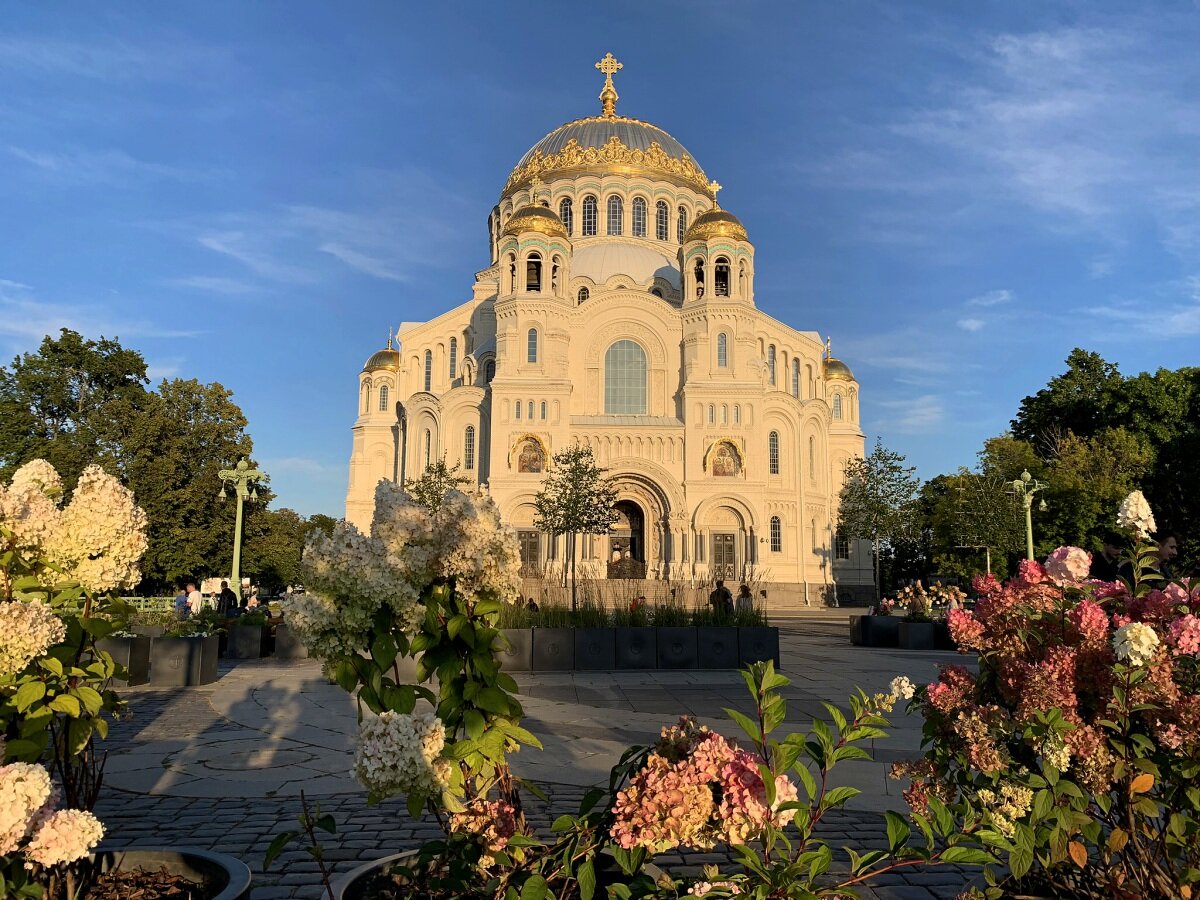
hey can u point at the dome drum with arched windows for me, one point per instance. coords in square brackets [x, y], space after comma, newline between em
[617, 313]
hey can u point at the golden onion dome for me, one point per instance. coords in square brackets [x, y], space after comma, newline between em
[836, 370]
[535, 218]
[383, 359]
[716, 223]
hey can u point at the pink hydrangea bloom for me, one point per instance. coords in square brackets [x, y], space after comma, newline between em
[1090, 621]
[954, 690]
[744, 812]
[1068, 565]
[1184, 635]
[66, 836]
[985, 584]
[663, 808]
[1031, 572]
[966, 629]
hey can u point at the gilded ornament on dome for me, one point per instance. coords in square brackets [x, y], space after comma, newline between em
[613, 152]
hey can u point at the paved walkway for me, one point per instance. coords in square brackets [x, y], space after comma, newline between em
[222, 766]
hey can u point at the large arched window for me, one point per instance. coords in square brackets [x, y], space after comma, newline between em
[453, 357]
[489, 371]
[737, 414]
[837, 406]
[773, 452]
[530, 410]
[639, 217]
[625, 379]
[589, 216]
[776, 535]
[531, 346]
[661, 214]
[383, 398]
[543, 409]
[722, 350]
[469, 447]
[533, 272]
[566, 213]
[771, 362]
[796, 377]
[428, 370]
[517, 410]
[681, 227]
[616, 214]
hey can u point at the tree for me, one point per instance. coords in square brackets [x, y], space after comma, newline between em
[576, 498]
[273, 546]
[877, 500]
[1080, 400]
[978, 513]
[429, 490]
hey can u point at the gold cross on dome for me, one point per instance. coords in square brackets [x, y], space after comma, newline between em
[608, 96]
[715, 186]
[534, 184]
[609, 66]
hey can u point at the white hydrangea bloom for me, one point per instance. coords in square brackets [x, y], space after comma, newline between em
[399, 754]
[1135, 513]
[39, 475]
[1135, 643]
[902, 687]
[27, 630]
[30, 515]
[25, 790]
[64, 837]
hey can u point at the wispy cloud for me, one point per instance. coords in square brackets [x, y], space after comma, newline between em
[111, 167]
[971, 325]
[355, 259]
[212, 284]
[991, 298]
[156, 372]
[912, 414]
[105, 58]
[25, 319]
[246, 249]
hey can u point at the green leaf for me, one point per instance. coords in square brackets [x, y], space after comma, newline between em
[473, 720]
[748, 725]
[493, 700]
[897, 830]
[90, 698]
[839, 795]
[383, 651]
[28, 694]
[65, 703]
[562, 823]
[967, 856]
[535, 888]
[587, 880]
[280, 841]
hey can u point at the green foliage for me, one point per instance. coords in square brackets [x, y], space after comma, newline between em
[631, 616]
[670, 613]
[432, 485]
[552, 615]
[591, 615]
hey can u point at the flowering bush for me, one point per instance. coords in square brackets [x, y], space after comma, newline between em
[1078, 741]
[400, 754]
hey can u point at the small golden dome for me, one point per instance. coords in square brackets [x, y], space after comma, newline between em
[836, 370]
[716, 223]
[384, 359]
[535, 218]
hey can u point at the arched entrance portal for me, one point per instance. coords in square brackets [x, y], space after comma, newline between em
[627, 542]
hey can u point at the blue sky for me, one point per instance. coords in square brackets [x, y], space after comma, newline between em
[253, 193]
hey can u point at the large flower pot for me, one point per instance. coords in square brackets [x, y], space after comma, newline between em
[595, 649]
[229, 876]
[553, 649]
[881, 631]
[916, 636]
[636, 647]
[288, 645]
[245, 641]
[758, 643]
[677, 647]
[858, 630]
[148, 630]
[184, 661]
[515, 649]
[941, 636]
[131, 653]
[716, 647]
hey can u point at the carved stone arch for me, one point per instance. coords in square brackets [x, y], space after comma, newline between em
[628, 329]
[729, 443]
[734, 502]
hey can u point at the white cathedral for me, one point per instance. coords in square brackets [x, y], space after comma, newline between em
[618, 312]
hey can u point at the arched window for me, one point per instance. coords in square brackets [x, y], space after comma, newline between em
[383, 398]
[566, 213]
[837, 406]
[812, 387]
[589, 216]
[657, 292]
[625, 379]
[517, 410]
[812, 457]
[543, 409]
[366, 398]
[530, 416]
[712, 414]
[737, 414]
[773, 452]
[724, 414]
[639, 217]
[721, 277]
[796, 377]
[681, 227]
[489, 371]
[428, 370]
[453, 357]
[533, 272]
[511, 270]
[616, 213]
[428, 449]
[531, 348]
[722, 350]
[776, 535]
[661, 214]
[469, 447]
[742, 279]
[771, 362]
[583, 294]
[812, 528]
[698, 271]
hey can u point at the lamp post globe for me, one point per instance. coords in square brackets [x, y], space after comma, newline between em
[239, 478]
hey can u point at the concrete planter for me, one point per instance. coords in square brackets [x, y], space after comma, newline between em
[184, 661]
[595, 649]
[716, 647]
[880, 631]
[916, 636]
[758, 644]
[553, 649]
[941, 636]
[149, 630]
[635, 648]
[516, 649]
[230, 876]
[132, 654]
[245, 641]
[287, 644]
[677, 647]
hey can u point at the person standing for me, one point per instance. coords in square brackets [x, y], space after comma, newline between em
[227, 600]
[745, 600]
[720, 599]
[182, 610]
[1106, 564]
[195, 599]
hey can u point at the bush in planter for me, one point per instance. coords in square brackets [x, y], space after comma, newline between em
[1078, 741]
[670, 614]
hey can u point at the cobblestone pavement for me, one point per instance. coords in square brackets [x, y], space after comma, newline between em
[221, 767]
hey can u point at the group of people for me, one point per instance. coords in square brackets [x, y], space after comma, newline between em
[189, 601]
[724, 603]
[1107, 565]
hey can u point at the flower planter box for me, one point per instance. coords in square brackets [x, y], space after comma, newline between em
[916, 636]
[245, 641]
[941, 636]
[758, 644]
[716, 647]
[287, 644]
[880, 631]
[149, 630]
[184, 661]
[595, 649]
[516, 649]
[229, 876]
[858, 627]
[677, 647]
[635, 647]
[553, 649]
[132, 653]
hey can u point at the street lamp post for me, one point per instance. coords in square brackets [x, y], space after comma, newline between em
[239, 477]
[1025, 487]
